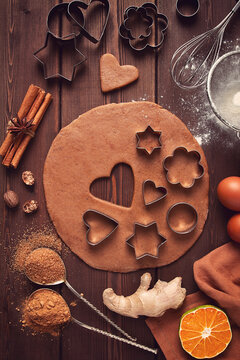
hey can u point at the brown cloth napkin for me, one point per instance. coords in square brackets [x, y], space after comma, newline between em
[218, 275]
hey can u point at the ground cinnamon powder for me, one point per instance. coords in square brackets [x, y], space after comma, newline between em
[44, 266]
[45, 311]
[32, 239]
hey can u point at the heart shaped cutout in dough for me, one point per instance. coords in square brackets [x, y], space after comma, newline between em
[118, 188]
[113, 75]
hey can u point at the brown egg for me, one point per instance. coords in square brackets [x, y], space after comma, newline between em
[233, 228]
[228, 191]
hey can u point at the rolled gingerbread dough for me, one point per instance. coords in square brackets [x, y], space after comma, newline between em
[89, 148]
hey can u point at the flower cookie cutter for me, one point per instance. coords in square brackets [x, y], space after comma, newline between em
[193, 154]
[89, 217]
[160, 189]
[182, 218]
[146, 11]
[136, 246]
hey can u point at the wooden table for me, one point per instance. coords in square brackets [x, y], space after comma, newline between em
[22, 25]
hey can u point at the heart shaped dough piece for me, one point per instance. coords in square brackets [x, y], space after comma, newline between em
[113, 76]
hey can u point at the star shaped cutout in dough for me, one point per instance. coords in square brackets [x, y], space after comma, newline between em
[59, 58]
[148, 140]
[146, 240]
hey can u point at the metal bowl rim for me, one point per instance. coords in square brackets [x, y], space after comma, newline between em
[209, 79]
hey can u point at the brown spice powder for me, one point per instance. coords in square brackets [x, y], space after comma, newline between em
[45, 311]
[32, 239]
[44, 266]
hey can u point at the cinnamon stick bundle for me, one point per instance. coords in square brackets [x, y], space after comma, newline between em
[22, 112]
[25, 141]
[34, 106]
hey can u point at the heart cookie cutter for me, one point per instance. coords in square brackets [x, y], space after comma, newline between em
[191, 153]
[182, 218]
[74, 8]
[91, 212]
[152, 225]
[72, 12]
[152, 132]
[163, 192]
[146, 11]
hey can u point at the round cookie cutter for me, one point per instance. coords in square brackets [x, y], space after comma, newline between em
[187, 8]
[179, 223]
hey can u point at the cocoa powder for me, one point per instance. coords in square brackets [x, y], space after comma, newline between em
[32, 239]
[45, 311]
[44, 266]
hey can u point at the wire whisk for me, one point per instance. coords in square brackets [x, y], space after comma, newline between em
[192, 61]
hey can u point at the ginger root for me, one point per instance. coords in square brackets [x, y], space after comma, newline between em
[154, 302]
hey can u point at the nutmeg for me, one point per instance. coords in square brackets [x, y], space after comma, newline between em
[11, 199]
[30, 206]
[28, 178]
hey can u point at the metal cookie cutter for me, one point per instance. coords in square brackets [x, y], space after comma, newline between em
[187, 8]
[162, 192]
[74, 9]
[194, 153]
[138, 254]
[182, 218]
[61, 42]
[140, 43]
[130, 16]
[97, 215]
[148, 131]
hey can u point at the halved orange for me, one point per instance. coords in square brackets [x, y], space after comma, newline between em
[205, 331]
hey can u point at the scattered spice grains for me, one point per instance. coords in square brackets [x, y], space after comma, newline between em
[44, 266]
[31, 240]
[45, 311]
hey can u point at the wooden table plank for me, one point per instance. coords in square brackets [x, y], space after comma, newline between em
[23, 31]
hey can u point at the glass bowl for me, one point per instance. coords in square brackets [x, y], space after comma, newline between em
[223, 89]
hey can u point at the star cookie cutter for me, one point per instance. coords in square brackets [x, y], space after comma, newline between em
[74, 8]
[161, 189]
[73, 13]
[61, 42]
[191, 153]
[138, 253]
[93, 215]
[147, 10]
[182, 218]
[152, 132]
